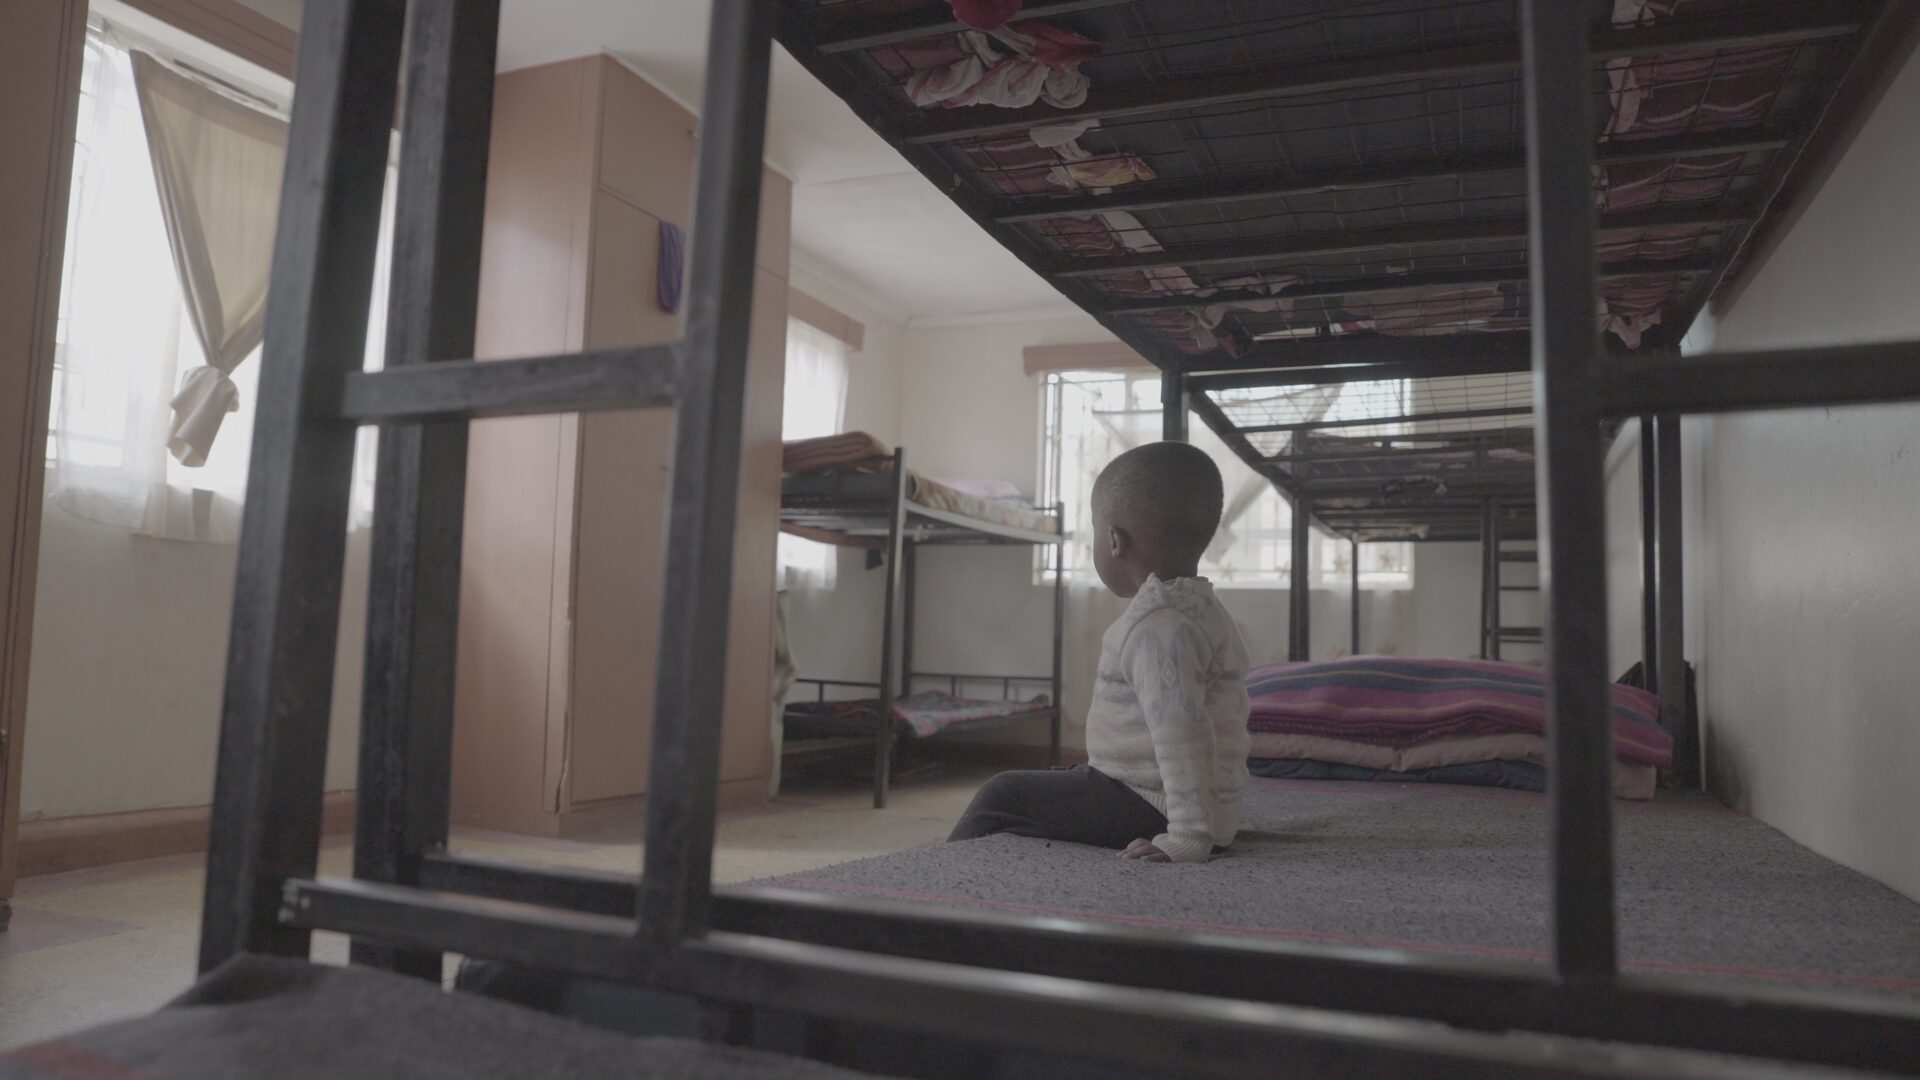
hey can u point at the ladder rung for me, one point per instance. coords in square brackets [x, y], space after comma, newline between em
[1520, 633]
[629, 378]
[1519, 556]
[1519, 588]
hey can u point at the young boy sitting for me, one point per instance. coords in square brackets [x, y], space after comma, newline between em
[1167, 732]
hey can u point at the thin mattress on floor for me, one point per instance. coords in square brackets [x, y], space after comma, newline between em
[261, 1016]
[1702, 890]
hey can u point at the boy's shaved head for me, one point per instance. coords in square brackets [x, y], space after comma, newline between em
[1168, 495]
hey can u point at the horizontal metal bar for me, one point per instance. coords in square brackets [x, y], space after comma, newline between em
[1819, 1027]
[1516, 439]
[1133, 197]
[1772, 379]
[1494, 57]
[1735, 30]
[1405, 418]
[876, 31]
[1366, 360]
[627, 378]
[1320, 243]
[980, 678]
[1373, 286]
[1148, 1029]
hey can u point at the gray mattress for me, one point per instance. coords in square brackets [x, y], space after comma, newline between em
[260, 1017]
[1703, 890]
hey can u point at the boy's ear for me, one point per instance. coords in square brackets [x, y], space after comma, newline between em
[1118, 541]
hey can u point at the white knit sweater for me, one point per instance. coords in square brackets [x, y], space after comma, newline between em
[1169, 713]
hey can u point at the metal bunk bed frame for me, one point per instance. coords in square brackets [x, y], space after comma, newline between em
[844, 504]
[1193, 1005]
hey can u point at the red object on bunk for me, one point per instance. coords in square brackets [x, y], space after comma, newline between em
[986, 14]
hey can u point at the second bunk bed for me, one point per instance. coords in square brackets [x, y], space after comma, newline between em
[851, 490]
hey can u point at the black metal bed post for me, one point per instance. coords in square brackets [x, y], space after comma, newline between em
[1059, 633]
[1489, 578]
[1674, 699]
[889, 625]
[279, 687]
[1354, 598]
[1299, 589]
[1649, 559]
[1572, 510]
[909, 576]
[406, 726]
[1494, 571]
[1173, 404]
[676, 888]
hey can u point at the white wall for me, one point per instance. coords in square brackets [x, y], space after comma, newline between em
[1803, 570]
[129, 656]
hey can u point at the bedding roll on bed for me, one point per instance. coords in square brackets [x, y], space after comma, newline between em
[1438, 721]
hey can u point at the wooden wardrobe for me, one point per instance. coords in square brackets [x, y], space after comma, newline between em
[565, 529]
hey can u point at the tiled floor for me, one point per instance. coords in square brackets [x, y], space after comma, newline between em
[96, 945]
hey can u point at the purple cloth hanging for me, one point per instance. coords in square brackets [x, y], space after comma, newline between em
[673, 265]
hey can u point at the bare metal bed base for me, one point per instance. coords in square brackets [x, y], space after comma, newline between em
[1181, 1003]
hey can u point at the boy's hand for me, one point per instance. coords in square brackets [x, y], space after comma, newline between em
[1144, 850]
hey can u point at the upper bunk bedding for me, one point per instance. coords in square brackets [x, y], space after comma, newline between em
[1263, 196]
[837, 488]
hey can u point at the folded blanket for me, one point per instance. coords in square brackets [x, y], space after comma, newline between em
[830, 451]
[1629, 781]
[1479, 760]
[1398, 703]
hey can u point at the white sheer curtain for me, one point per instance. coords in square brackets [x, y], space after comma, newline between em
[126, 336]
[815, 404]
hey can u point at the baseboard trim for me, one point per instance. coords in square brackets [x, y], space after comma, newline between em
[57, 845]
[1005, 755]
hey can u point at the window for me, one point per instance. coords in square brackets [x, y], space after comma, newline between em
[815, 404]
[1092, 417]
[124, 339]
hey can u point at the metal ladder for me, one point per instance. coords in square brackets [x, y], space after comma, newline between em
[312, 398]
[1493, 560]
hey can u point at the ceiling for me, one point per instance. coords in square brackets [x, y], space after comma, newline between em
[861, 214]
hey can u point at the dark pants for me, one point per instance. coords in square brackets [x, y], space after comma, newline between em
[1078, 805]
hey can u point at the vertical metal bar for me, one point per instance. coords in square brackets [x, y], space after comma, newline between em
[406, 727]
[1299, 588]
[1672, 616]
[889, 625]
[1573, 566]
[286, 605]
[1649, 563]
[676, 889]
[1059, 638]
[1494, 571]
[1489, 578]
[1355, 599]
[909, 576]
[1173, 405]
